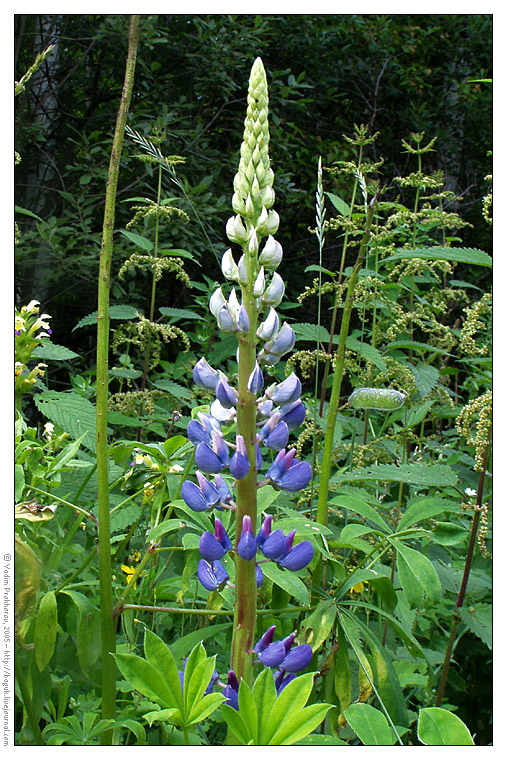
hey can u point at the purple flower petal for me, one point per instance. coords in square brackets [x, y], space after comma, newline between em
[205, 376]
[273, 655]
[274, 547]
[288, 391]
[207, 460]
[293, 414]
[265, 640]
[193, 496]
[298, 659]
[206, 575]
[297, 477]
[278, 438]
[210, 547]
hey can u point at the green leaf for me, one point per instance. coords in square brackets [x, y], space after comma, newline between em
[313, 333]
[119, 311]
[299, 724]
[180, 253]
[461, 255]
[160, 715]
[317, 268]
[236, 724]
[370, 725]
[19, 482]
[417, 575]
[342, 673]
[176, 390]
[168, 311]
[204, 707]
[54, 352]
[449, 534]
[355, 504]
[342, 207]
[288, 581]
[320, 740]
[264, 694]
[315, 628]
[197, 677]
[479, 619]
[423, 509]
[26, 212]
[147, 679]
[426, 378]
[161, 658]
[248, 711]
[139, 240]
[165, 527]
[45, 630]
[370, 353]
[437, 727]
[292, 699]
[415, 473]
[416, 346]
[181, 646]
[88, 629]
[71, 412]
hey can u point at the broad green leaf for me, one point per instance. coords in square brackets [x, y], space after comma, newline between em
[164, 527]
[449, 534]
[70, 411]
[370, 725]
[342, 207]
[181, 646]
[421, 568]
[416, 346]
[461, 255]
[293, 698]
[410, 584]
[118, 311]
[197, 677]
[415, 473]
[180, 253]
[160, 657]
[169, 311]
[361, 508]
[479, 619]
[385, 589]
[248, 711]
[19, 481]
[175, 389]
[437, 727]
[54, 352]
[288, 581]
[236, 724]
[424, 508]
[417, 413]
[45, 630]
[88, 630]
[299, 724]
[204, 707]
[311, 332]
[321, 740]
[135, 727]
[147, 679]
[404, 632]
[370, 353]
[353, 531]
[342, 674]
[139, 240]
[315, 628]
[264, 694]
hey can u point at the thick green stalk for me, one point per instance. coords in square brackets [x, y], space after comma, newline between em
[246, 586]
[325, 471]
[106, 594]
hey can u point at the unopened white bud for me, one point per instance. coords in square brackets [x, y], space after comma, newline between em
[238, 204]
[235, 230]
[253, 243]
[274, 293]
[267, 196]
[259, 284]
[242, 272]
[268, 329]
[229, 267]
[216, 301]
[271, 254]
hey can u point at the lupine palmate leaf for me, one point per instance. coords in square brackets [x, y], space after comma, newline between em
[299, 724]
[293, 698]
[288, 581]
[248, 710]
[146, 679]
[45, 630]
[161, 658]
[264, 694]
[236, 724]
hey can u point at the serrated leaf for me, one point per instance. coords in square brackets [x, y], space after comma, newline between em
[288, 581]
[416, 346]
[370, 725]
[118, 311]
[439, 727]
[45, 630]
[479, 620]
[415, 473]
[426, 378]
[370, 353]
[54, 352]
[313, 333]
[461, 255]
[168, 311]
[70, 411]
[139, 240]
[176, 390]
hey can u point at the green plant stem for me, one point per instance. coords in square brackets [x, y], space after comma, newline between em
[464, 582]
[27, 700]
[246, 586]
[211, 613]
[325, 473]
[106, 593]
[89, 515]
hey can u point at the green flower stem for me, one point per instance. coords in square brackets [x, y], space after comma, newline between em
[106, 593]
[325, 474]
[211, 613]
[246, 586]
[89, 515]
[27, 700]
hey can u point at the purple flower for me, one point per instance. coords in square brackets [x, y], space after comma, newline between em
[223, 489]
[298, 557]
[212, 460]
[240, 465]
[205, 376]
[293, 414]
[226, 321]
[288, 473]
[297, 659]
[258, 458]
[288, 391]
[198, 498]
[247, 547]
[256, 380]
[282, 680]
[225, 394]
[231, 690]
[278, 438]
[264, 530]
[259, 576]
[213, 547]
[213, 575]
[283, 342]
[265, 640]
[275, 546]
[242, 320]
[265, 408]
[273, 655]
